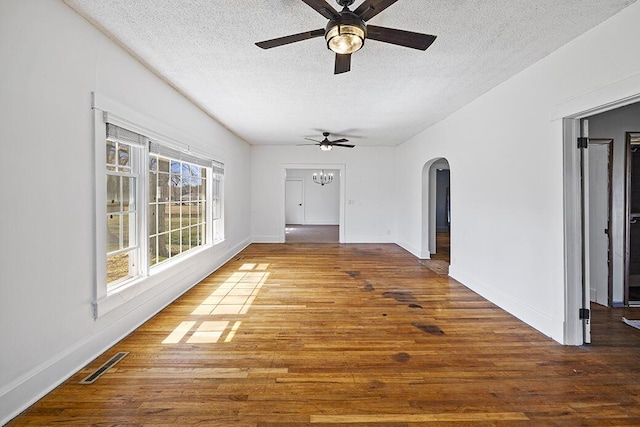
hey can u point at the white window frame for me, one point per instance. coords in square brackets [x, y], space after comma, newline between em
[217, 223]
[137, 255]
[106, 300]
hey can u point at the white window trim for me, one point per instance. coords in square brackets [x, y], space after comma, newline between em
[105, 110]
[138, 165]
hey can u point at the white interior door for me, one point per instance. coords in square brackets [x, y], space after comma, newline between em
[599, 222]
[294, 199]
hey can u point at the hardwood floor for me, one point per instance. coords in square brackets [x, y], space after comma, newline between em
[329, 334]
[443, 247]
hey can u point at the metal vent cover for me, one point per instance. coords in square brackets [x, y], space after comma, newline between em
[104, 368]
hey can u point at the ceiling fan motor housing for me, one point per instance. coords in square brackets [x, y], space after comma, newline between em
[345, 34]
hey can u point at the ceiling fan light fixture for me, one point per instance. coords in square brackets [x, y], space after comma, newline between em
[345, 39]
[325, 147]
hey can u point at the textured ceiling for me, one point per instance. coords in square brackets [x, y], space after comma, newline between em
[205, 48]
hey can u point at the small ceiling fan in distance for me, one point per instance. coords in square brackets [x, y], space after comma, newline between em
[347, 31]
[326, 145]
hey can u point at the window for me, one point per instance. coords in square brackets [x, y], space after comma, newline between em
[123, 173]
[177, 207]
[183, 198]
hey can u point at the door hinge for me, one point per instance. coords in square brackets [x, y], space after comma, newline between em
[583, 142]
[584, 314]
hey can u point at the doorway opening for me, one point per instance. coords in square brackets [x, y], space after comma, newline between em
[313, 208]
[597, 178]
[632, 253]
[602, 262]
[436, 214]
[443, 213]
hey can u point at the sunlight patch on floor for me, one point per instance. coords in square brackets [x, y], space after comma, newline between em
[234, 297]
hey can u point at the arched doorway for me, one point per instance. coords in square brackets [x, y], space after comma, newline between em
[436, 210]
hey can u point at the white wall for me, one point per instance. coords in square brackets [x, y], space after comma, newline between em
[369, 185]
[505, 152]
[52, 61]
[321, 202]
[614, 124]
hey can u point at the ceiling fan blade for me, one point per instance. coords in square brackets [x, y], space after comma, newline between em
[309, 139]
[323, 8]
[343, 63]
[343, 145]
[400, 37]
[281, 41]
[339, 140]
[301, 145]
[370, 8]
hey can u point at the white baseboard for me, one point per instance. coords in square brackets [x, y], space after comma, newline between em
[266, 239]
[414, 251]
[363, 238]
[27, 389]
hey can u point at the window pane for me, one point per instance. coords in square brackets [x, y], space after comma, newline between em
[175, 243]
[153, 163]
[153, 251]
[113, 232]
[186, 170]
[163, 217]
[195, 213]
[175, 183]
[126, 220]
[193, 237]
[124, 155]
[111, 154]
[153, 187]
[163, 186]
[153, 226]
[163, 165]
[118, 267]
[185, 240]
[184, 193]
[201, 190]
[163, 247]
[113, 193]
[126, 193]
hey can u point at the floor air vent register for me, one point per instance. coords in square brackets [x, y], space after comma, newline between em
[104, 368]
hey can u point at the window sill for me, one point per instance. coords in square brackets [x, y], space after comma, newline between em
[159, 279]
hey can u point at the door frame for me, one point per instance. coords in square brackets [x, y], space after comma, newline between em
[627, 210]
[313, 166]
[570, 113]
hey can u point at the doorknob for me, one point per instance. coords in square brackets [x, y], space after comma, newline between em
[299, 204]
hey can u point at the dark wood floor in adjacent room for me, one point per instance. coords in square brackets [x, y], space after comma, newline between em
[329, 334]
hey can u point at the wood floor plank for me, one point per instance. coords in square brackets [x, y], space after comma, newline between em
[330, 334]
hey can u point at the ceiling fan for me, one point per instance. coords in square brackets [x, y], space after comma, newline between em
[346, 31]
[326, 145]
